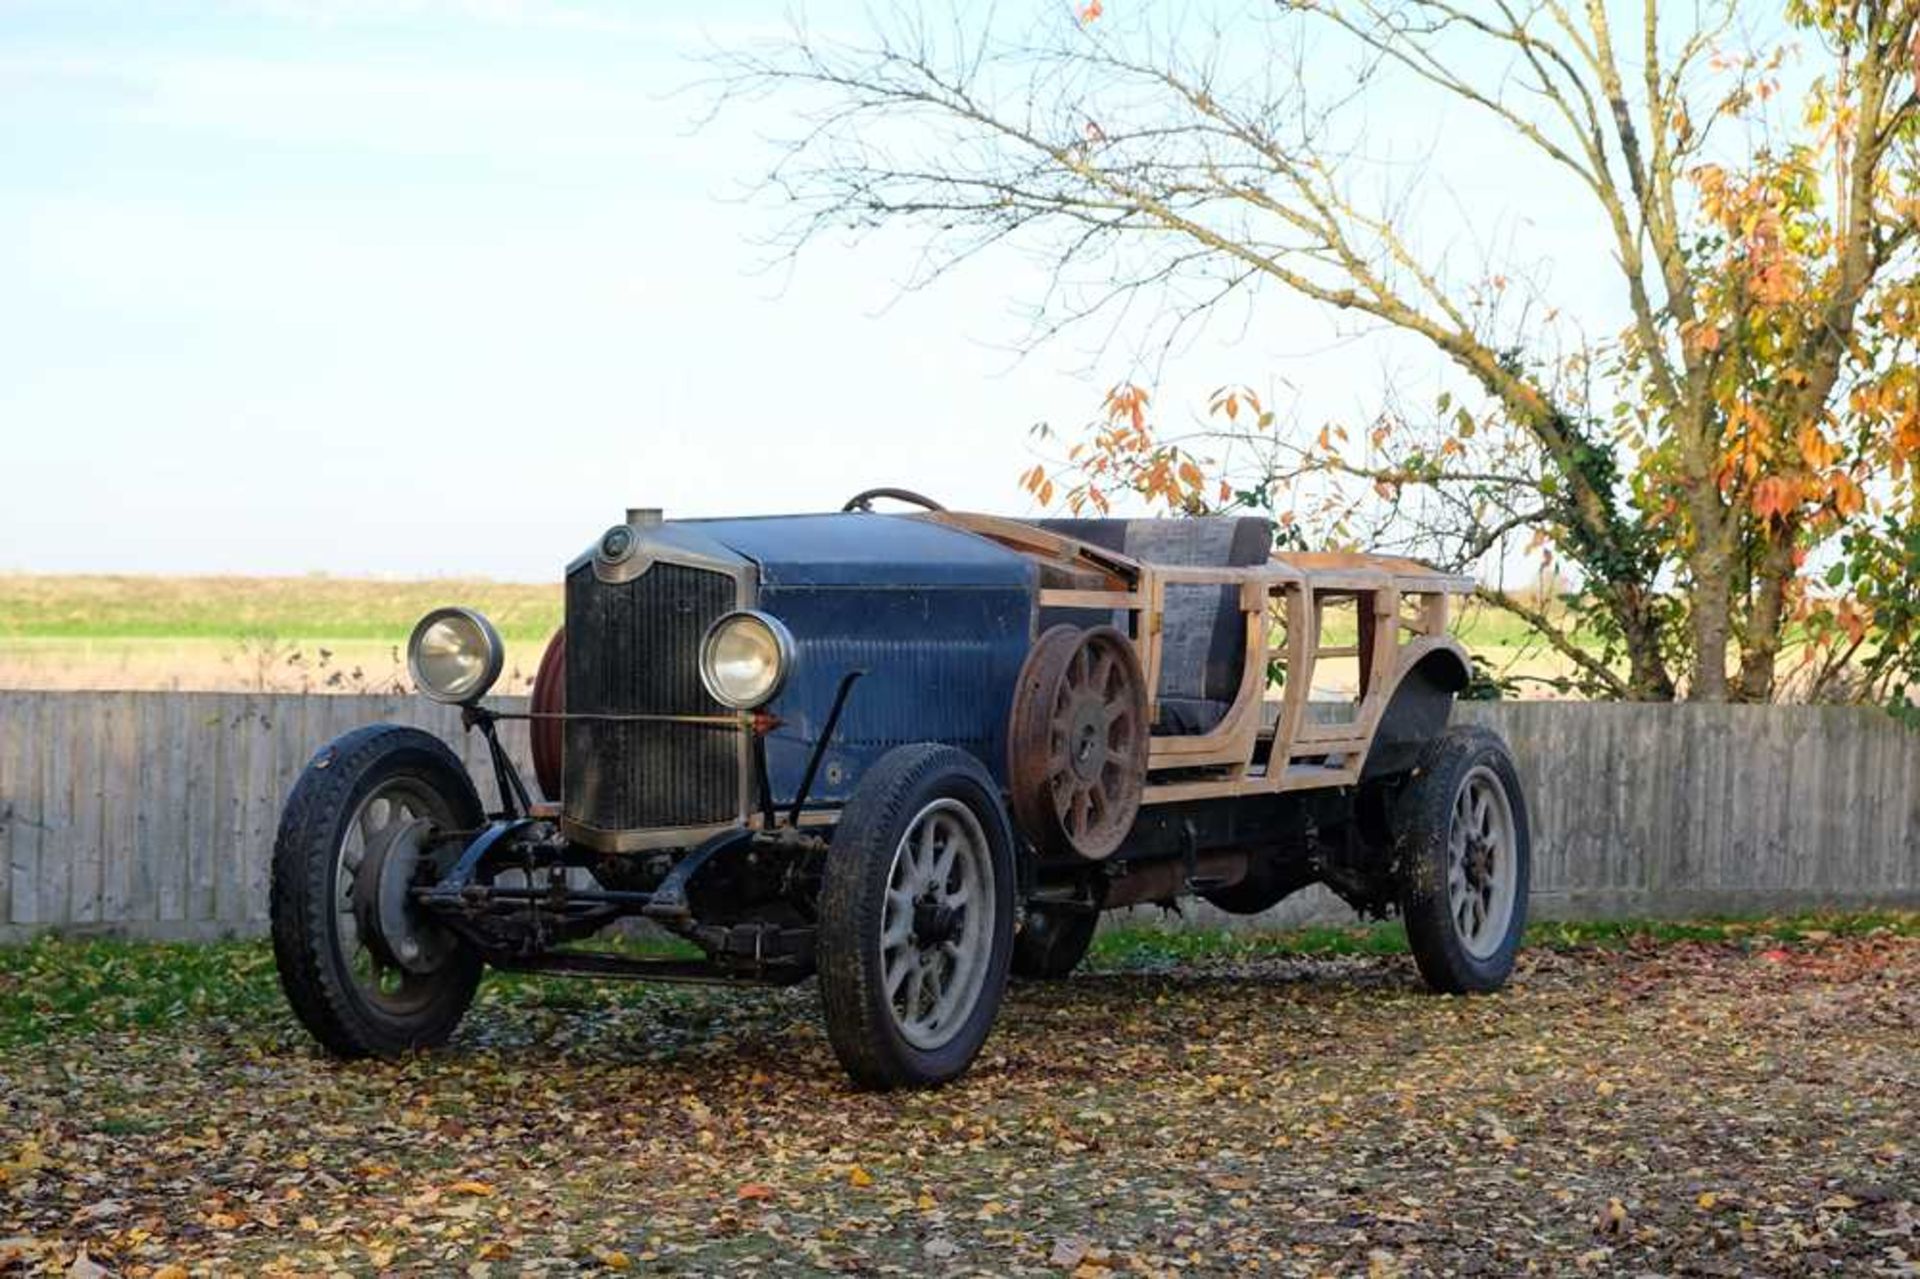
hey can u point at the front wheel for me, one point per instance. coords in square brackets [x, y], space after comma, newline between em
[366, 973]
[1465, 858]
[916, 918]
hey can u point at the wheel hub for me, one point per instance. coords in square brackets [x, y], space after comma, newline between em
[935, 924]
[391, 925]
[1086, 736]
[1479, 862]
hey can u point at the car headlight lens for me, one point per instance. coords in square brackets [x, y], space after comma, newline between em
[455, 655]
[745, 659]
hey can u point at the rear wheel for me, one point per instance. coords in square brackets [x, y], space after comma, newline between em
[916, 918]
[365, 971]
[1464, 852]
[1053, 941]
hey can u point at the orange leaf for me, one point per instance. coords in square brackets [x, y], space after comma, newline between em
[1816, 448]
[754, 1190]
[1847, 497]
[1090, 10]
[1773, 497]
[470, 1188]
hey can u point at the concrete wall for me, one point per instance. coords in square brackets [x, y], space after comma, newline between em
[152, 814]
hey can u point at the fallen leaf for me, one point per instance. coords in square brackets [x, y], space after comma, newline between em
[860, 1176]
[101, 1211]
[85, 1267]
[1068, 1251]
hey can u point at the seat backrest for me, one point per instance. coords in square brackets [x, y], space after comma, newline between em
[1204, 639]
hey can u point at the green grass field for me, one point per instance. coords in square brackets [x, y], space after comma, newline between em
[56, 988]
[253, 634]
[235, 608]
[316, 633]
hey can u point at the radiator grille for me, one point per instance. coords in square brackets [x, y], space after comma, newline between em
[634, 647]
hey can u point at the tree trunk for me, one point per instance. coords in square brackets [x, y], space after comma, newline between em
[1712, 619]
[1640, 630]
[1708, 557]
[1760, 647]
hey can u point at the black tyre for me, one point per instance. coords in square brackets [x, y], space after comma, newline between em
[1463, 850]
[916, 918]
[359, 798]
[1053, 941]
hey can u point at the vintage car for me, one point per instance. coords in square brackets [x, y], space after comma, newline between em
[910, 753]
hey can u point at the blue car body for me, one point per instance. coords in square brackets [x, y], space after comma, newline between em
[938, 619]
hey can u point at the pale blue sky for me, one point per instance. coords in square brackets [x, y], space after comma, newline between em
[288, 286]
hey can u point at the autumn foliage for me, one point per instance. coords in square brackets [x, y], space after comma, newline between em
[1123, 459]
[1742, 485]
[1715, 461]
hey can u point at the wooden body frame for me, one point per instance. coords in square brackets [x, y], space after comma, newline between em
[1405, 610]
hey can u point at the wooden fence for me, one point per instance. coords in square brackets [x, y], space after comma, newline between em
[153, 814]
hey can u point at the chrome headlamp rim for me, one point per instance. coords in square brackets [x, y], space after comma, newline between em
[783, 656]
[494, 656]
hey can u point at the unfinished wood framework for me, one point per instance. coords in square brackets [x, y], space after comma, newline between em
[1402, 609]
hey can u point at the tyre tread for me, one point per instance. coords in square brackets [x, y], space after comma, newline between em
[850, 911]
[1422, 819]
[303, 868]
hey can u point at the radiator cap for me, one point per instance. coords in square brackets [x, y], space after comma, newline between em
[645, 516]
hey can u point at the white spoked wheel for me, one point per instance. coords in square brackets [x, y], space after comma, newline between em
[1463, 853]
[916, 918]
[937, 933]
[1480, 863]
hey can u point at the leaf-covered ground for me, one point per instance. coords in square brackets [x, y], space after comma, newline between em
[1713, 1101]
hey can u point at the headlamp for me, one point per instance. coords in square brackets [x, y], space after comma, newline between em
[745, 659]
[455, 655]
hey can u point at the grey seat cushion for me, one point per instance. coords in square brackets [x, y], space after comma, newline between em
[1203, 635]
